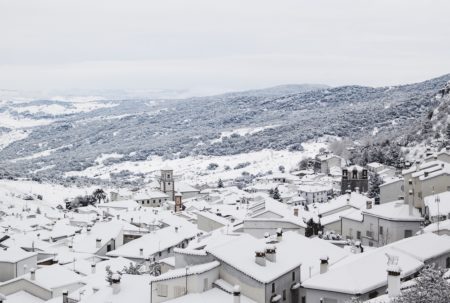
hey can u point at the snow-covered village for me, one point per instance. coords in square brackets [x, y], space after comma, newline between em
[224, 151]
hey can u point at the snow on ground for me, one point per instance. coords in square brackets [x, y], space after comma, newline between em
[12, 136]
[104, 157]
[14, 191]
[41, 154]
[12, 122]
[194, 169]
[57, 109]
[242, 132]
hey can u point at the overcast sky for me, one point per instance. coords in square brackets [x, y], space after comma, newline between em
[209, 45]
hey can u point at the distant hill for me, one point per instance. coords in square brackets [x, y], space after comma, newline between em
[46, 138]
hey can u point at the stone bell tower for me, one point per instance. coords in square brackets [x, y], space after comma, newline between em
[167, 183]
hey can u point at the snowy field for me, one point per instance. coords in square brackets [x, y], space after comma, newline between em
[194, 170]
[15, 192]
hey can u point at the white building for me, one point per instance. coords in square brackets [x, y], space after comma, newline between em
[15, 262]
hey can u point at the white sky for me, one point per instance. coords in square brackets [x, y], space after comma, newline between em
[216, 45]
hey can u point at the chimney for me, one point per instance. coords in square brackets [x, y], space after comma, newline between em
[88, 230]
[260, 257]
[324, 264]
[32, 274]
[296, 211]
[93, 266]
[115, 283]
[118, 217]
[98, 243]
[65, 296]
[236, 294]
[279, 234]
[368, 204]
[393, 280]
[141, 252]
[271, 253]
[176, 229]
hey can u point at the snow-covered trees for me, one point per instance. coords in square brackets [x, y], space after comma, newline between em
[276, 194]
[374, 186]
[99, 195]
[429, 287]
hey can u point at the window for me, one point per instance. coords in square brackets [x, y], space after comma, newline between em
[168, 176]
[205, 284]
[159, 200]
[447, 262]
[168, 183]
[303, 299]
[284, 294]
[293, 274]
[358, 235]
[381, 230]
[168, 250]
[408, 233]
[159, 253]
[350, 233]
[370, 243]
[273, 287]
[368, 234]
[162, 290]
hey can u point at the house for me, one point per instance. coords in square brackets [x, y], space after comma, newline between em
[364, 276]
[354, 178]
[392, 189]
[45, 283]
[265, 272]
[329, 161]
[443, 155]
[437, 206]
[375, 167]
[424, 180]
[15, 262]
[315, 192]
[158, 244]
[152, 198]
[182, 281]
[378, 225]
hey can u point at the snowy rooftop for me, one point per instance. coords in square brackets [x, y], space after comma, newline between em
[133, 288]
[397, 210]
[181, 272]
[424, 247]
[362, 273]
[122, 204]
[240, 254]
[153, 194]
[14, 254]
[156, 241]
[55, 276]
[183, 187]
[213, 295]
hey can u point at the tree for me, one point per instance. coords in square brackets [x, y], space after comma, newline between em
[312, 228]
[99, 195]
[220, 183]
[430, 287]
[374, 186]
[276, 194]
[132, 269]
